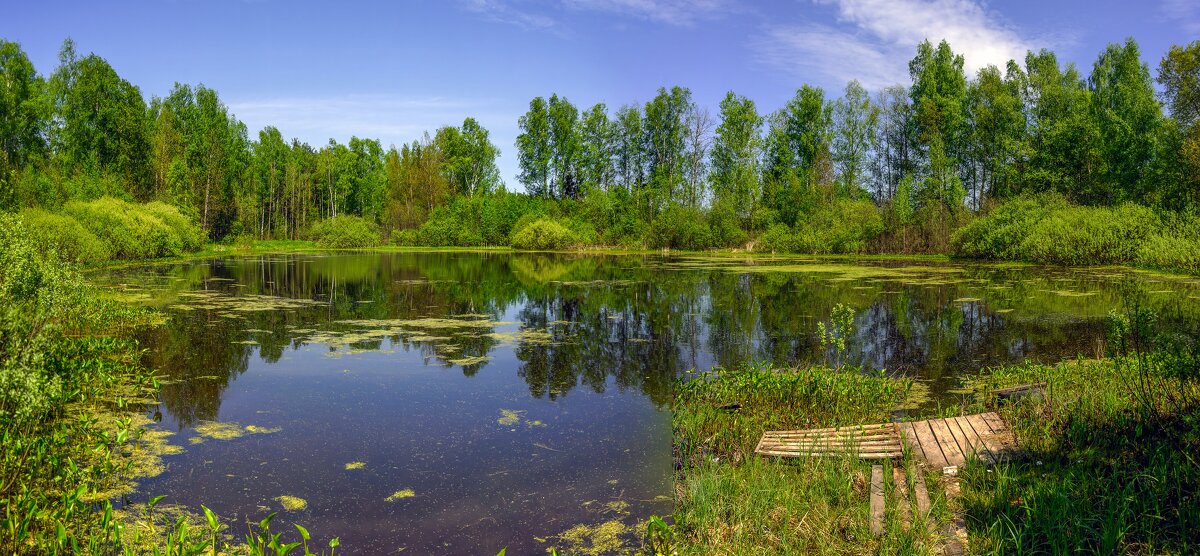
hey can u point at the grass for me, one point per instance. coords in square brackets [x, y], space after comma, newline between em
[729, 501]
[1108, 469]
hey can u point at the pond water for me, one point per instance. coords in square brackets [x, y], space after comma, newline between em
[465, 402]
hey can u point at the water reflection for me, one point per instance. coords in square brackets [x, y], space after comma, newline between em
[407, 361]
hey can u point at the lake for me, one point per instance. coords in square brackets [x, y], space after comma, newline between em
[466, 402]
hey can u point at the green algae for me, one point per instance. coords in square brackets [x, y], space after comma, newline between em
[292, 503]
[401, 495]
[470, 360]
[510, 417]
[355, 465]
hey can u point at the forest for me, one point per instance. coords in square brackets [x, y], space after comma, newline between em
[1035, 161]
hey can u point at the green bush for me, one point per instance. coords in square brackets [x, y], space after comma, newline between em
[544, 234]
[66, 236]
[1045, 229]
[190, 236]
[345, 232]
[843, 226]
[1090, 235]
[680, 227]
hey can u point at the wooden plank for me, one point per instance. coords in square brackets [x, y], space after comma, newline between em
[841, 429]
[875, 455]
[946, 440]
[1001, 442]
[981, 429]
[824, 444]
[900, 484]
[921, 493]
[910, 437]
[878, 433]
[929, 445]
[877, 502]
[966, 443]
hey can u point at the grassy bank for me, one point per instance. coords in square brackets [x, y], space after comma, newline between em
[1112, 461]
[729, 501]
[74, 437]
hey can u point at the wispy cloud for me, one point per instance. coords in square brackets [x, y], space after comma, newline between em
[1185, 12]
[874, 39]
[503, 11]
[544, 15]
[672, 12]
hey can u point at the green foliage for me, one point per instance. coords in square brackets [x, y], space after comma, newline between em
[544, 234]
[680, 227]
[135, 232]
[66, 236]
[842, 226]
[345, 232]
[1045, 229]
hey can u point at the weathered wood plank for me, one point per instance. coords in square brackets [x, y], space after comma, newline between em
[945, 439]
[900, 488]
[929, 444]
[877, 501]
[1001, 443]
[909, 435]
[965, 443]
[981, 429]
[874, 455]
[921, 493]
[845, 428]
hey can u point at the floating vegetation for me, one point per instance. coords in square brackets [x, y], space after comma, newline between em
[292, 503]
[228, 431]
[593, 540]
[967, 300]
[400, 495]
[355, 465]
[534, 423]
[510, 417]
[470, 360]
[918, 395]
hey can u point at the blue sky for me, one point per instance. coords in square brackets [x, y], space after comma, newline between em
[391, 70]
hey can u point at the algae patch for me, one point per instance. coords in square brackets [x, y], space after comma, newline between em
[510, 417]
[400, 495]
[354, 465]
[292, 503]
[217, 430]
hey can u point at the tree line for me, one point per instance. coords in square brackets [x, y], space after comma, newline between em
[926, 154]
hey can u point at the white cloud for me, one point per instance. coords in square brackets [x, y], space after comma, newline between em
[506, 12]
[1184, 12]
[875, 39]
[672, 12]
[818, 53]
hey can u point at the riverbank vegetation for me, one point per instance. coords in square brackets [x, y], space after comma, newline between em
[1108, 459]
[906, 169]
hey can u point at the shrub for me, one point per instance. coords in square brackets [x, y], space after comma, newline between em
[680, 227]
[344, 232]
[66, 236]
[191, 237]
[1045, 229]
[842, 226]
[544, 234]
[131, 232]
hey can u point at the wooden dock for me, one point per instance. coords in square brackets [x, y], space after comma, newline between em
[941, 443]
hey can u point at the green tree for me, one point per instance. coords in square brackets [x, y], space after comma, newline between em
[1179, 75]
[665, 126]
[565, 147]
[628, 151]
[939, 95]
[470, 158]
[855, 120]
[1128, 118]
[24, 108]
[995, 133]
[596, 146]
[104, 124]
[735, 157]
[1064, 152]
[533, 148]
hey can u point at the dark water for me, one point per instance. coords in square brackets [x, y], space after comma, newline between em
[509, 397]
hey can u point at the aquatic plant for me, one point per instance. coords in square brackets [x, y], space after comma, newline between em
[401, 495]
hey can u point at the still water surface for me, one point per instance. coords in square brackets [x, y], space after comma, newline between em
[464, 402]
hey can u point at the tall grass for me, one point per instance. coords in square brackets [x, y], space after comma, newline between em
[1111, 464]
